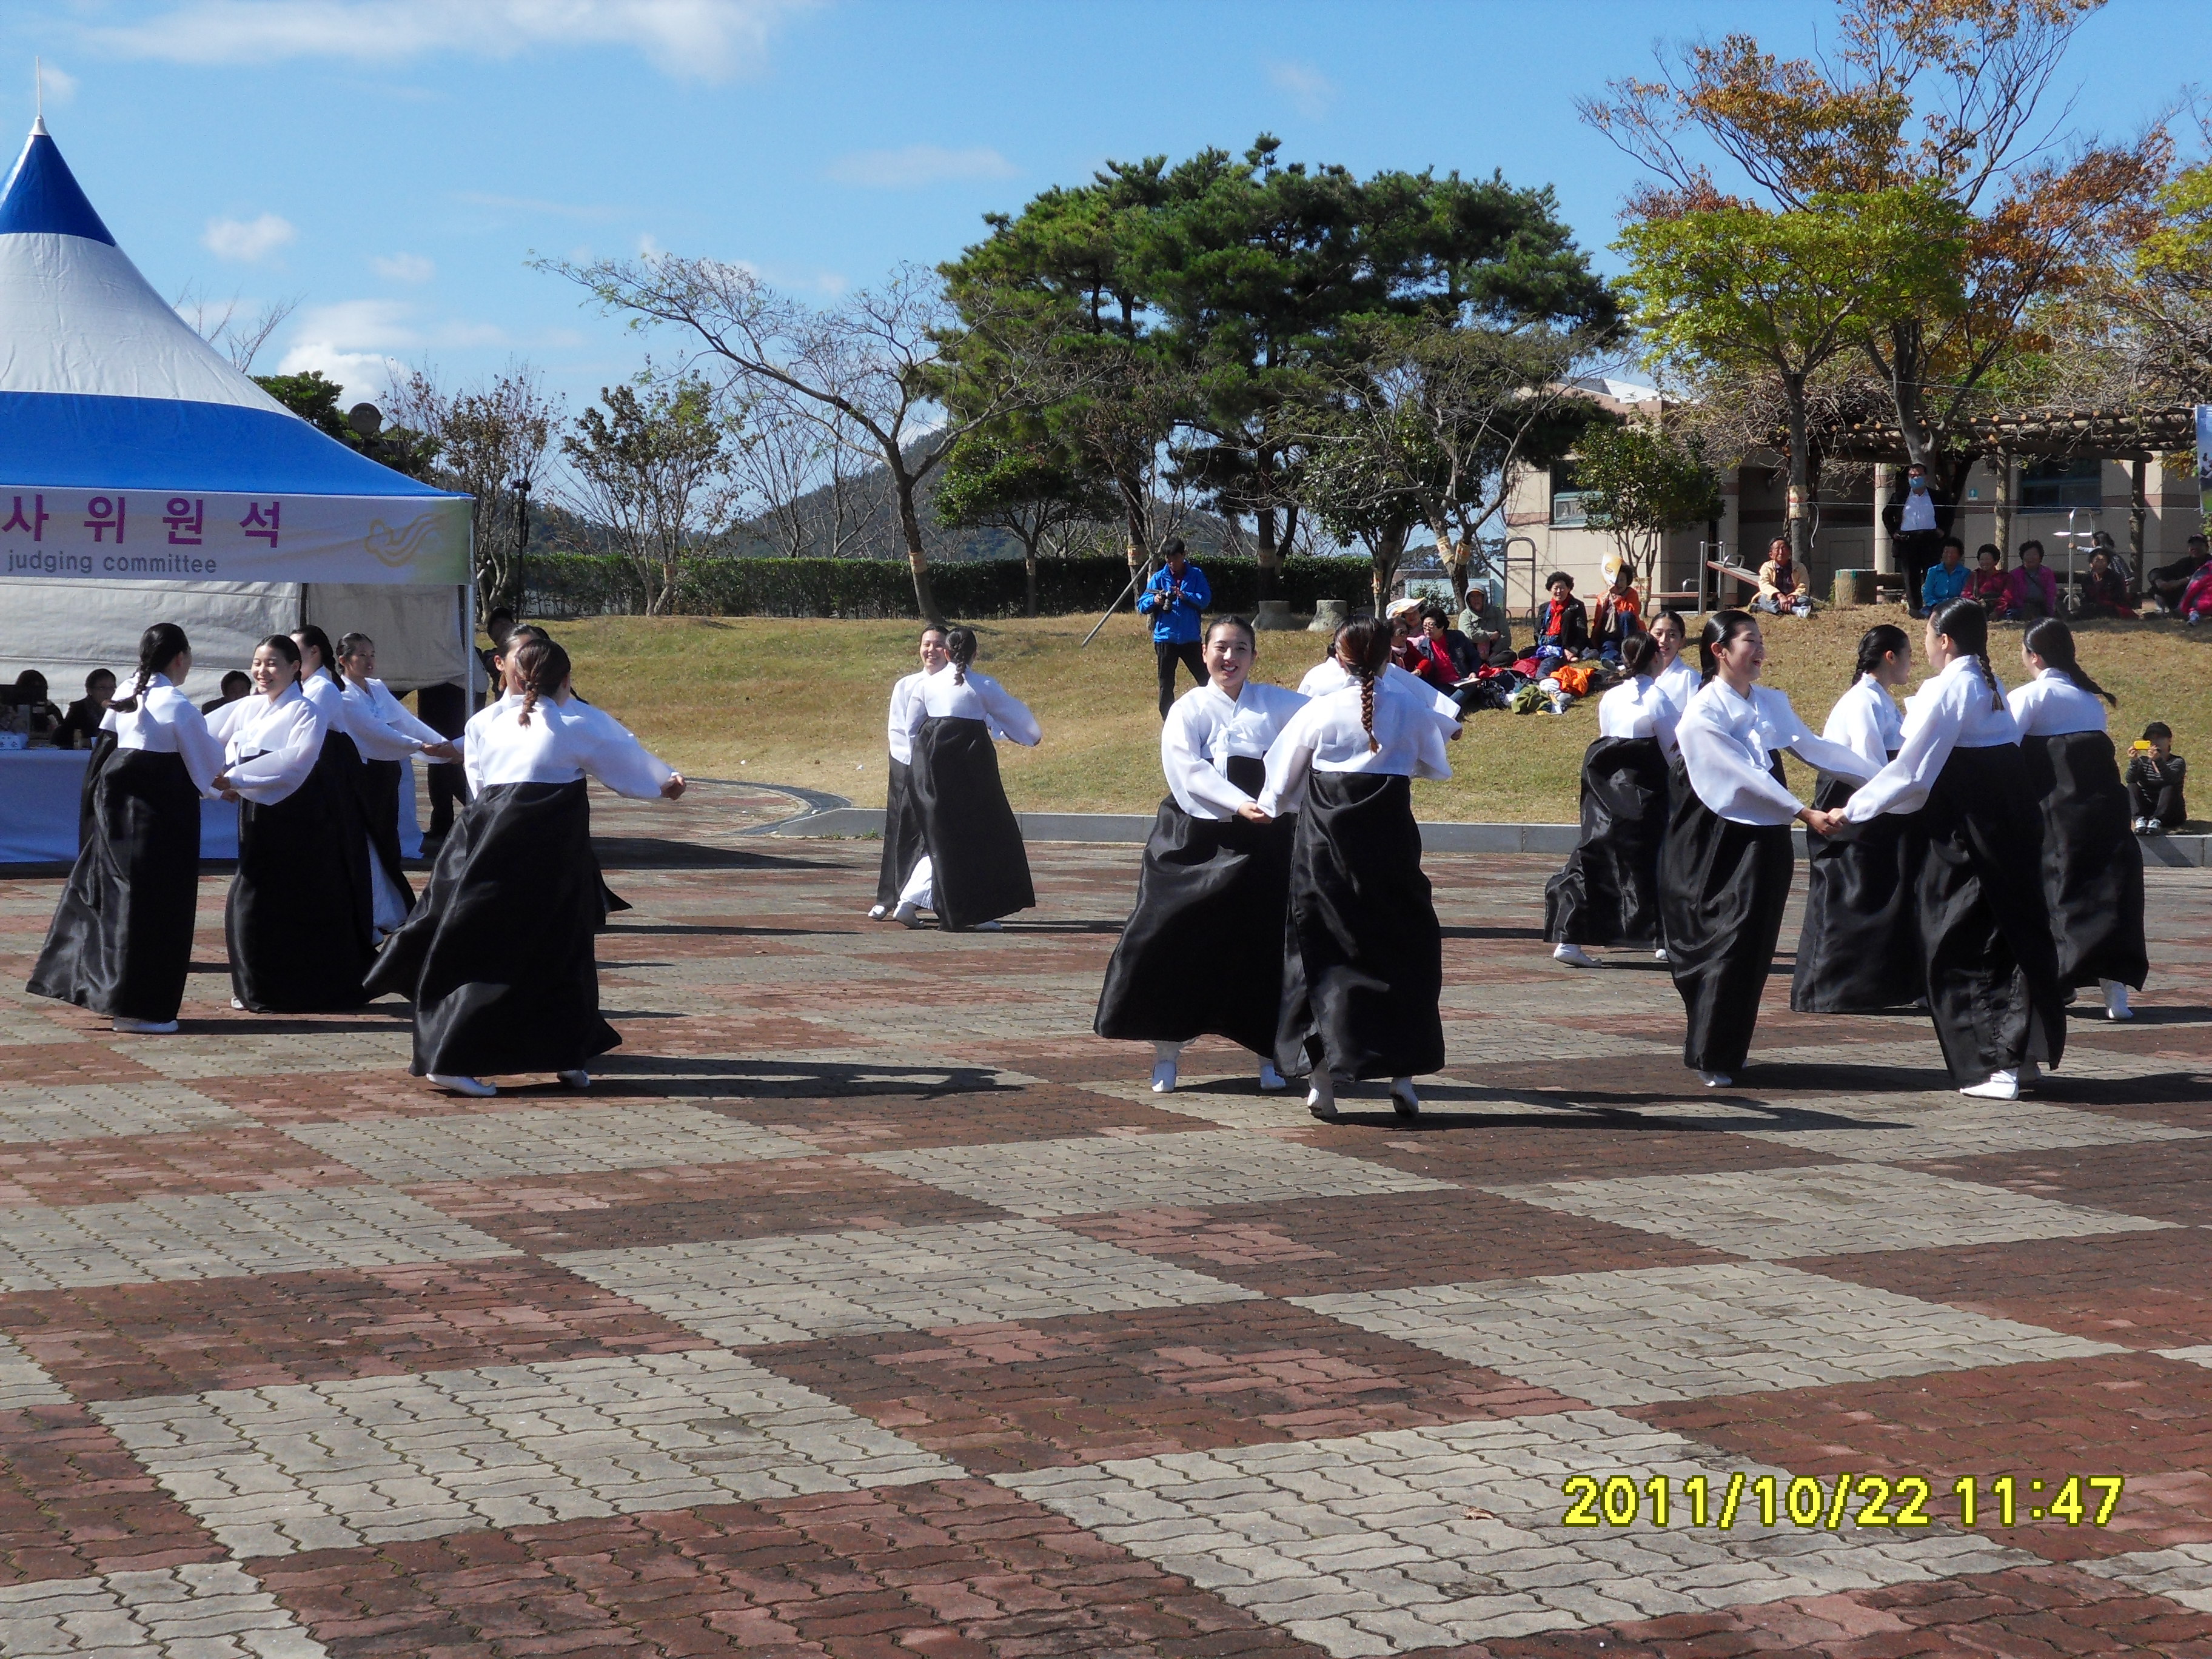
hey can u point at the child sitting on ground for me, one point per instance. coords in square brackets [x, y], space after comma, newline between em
[2155, 777]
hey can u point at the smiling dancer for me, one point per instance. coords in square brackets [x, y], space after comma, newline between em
[2092, 868]
[902, 844]
[1857, 952]
[1726, 868]
[1985, 932]
[1217, 870]
[121, 941]
[1362, 975]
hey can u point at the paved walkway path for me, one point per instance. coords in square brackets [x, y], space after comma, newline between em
[869, 1305]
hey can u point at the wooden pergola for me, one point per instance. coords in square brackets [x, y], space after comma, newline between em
[2134, 435]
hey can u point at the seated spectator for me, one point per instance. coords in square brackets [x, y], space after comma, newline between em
[2032, 592]
[235, 685]
[80, 725]
[2104, 590]
[35, 711]
[2155, 777]
[2197, 597]
[1440, 656]
[1404, 616]
[1619, 614]
[2100, 541]
[1988, 587]
[1947, 580]
[2166, 583]
[1781, 591]
[1562, 623]
[1488, 629]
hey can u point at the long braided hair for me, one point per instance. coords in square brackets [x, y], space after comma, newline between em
[544, 669]
[1876, 643]
[311, 634]
[2053, 640]
[960, 646]
[158, 647]
[1966, 625]
[1364, 647]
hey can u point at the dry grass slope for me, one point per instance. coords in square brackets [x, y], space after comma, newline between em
[802, 703]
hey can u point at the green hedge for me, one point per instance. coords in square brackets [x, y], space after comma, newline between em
[582, 584]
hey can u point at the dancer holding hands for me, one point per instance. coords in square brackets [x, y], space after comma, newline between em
[121, 942]
[1984, 924]
[1362, 975]
[1216, 867]
[1608, 892]
[2093, 867]
[1726, 868]
[1857, 952]
[902, 846]
[498, 956]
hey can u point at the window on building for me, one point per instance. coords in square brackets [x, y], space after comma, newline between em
[2061, 486]
[1566, 496]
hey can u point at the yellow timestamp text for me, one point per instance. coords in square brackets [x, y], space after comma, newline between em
[1848, 1500]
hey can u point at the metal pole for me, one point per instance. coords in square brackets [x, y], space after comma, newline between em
[1144, 575]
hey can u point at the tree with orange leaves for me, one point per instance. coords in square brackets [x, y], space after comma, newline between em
[1941, 97]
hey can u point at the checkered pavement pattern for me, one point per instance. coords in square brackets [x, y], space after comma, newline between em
[868, 1305]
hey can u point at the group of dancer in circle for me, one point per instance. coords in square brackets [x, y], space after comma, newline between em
[496, 956]
[1972, 856]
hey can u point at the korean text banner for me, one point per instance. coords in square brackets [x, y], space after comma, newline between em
[73, 533]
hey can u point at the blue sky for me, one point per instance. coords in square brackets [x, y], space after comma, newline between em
[392, 166]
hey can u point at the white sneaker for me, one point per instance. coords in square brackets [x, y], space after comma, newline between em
[142, 1027]
[1573, 955]
[1164, 1056]
[475, 1088]
[1403, 1100]
[579, 1079]
[906, 916]
[1271, 1080]
[236, 1004]
[877, 912]
[2116, 998]
[1321, 1096]
[1716, 1080]
[2153, 827]
[2002, 1085]
[1659, 955]
[2141, 826]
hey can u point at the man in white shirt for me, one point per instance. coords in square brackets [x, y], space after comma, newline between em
[1918, 518]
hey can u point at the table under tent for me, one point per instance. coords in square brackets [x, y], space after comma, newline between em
[145, 479]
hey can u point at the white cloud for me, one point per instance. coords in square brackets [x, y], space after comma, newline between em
[589, 211]
[364, 375]
[689, 39]
[59, 86]
[247, 239]
[360, 325]
[1311, 92]
[916, 165]
[649, 247]
[405, 268]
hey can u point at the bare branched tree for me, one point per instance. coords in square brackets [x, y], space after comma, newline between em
[488, 438]
[871, 361]
[217, 322]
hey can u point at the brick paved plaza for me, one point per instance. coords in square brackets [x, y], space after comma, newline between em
[868, 1305]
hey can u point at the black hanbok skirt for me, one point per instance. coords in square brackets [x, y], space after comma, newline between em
[1992, 965]
[2093, 867]
[1199, 955]
[498, 955]
[902, 844]
[1859, 949]
[103, 750]
[1363, 968]
[338, 771]
[1723, 888]
[121, 941]
[298, 943]
[979, 869]
[379, 791]
[1608, 892]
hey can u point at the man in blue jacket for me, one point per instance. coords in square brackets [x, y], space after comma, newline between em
[1175, 599]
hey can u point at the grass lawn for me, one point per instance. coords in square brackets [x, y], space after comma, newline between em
[803, 702]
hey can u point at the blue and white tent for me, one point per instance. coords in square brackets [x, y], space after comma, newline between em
[143, 478]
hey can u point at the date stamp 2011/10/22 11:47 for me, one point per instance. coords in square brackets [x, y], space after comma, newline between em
[1858, 1500]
